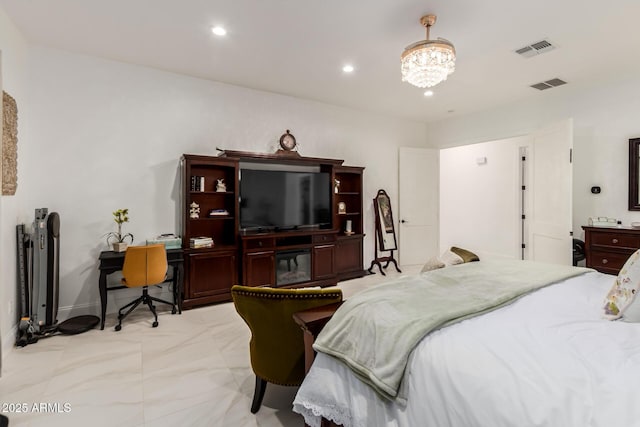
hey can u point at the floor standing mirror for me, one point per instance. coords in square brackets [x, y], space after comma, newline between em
[385, 235]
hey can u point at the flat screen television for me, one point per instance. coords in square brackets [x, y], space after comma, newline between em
[278, 200]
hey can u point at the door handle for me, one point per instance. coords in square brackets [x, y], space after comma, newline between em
[403, 221]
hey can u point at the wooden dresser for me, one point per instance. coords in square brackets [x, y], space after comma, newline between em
[608, 248]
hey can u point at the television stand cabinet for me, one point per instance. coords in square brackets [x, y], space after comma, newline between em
[289, 259]
[294, 258]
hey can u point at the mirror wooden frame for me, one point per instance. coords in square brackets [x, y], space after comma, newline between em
[384, 222]
[634, 174]
[385, 238]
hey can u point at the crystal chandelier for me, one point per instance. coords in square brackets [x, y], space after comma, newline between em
[428, 62]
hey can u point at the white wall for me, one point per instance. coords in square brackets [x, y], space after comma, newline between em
[107, 135]
[13, 50]
[480, 203]
[604, 118]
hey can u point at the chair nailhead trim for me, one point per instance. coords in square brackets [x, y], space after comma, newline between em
[288, 296]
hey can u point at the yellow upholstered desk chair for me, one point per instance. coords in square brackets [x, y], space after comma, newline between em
[144, 266]
[277, 344]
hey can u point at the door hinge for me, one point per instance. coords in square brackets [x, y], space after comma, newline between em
[524, 158]
[524, 217]
[524, 246]
[571, 233]
[524, 187]
[570, 155]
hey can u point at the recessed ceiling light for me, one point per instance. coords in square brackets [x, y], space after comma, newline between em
[219, 31]
[348, 68]
[428, 93]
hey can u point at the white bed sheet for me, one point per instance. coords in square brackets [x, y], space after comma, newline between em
[549, 359]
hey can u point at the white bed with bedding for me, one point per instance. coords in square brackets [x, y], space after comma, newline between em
[547, 359]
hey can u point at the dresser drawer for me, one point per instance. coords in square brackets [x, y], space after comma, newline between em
[607, 249]
[260, 243]
[614, 240]
[324, 238]
[611, 261]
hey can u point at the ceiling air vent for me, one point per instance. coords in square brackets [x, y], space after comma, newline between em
[549, 84]
[535, 48]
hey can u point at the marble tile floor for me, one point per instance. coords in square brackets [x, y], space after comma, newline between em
[193, 370]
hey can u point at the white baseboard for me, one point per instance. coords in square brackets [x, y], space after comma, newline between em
[115, 300]
[70, 311]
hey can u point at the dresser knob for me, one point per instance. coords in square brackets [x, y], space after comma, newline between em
[604, 261]
[615, 240]
[260, 243]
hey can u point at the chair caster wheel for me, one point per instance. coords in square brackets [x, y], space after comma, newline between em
[118, 327]
[155, 324]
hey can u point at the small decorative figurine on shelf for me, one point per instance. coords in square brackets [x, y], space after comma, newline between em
[348, 229]
[221, 187]
[194, 212]
[342, 208]
[336, 186]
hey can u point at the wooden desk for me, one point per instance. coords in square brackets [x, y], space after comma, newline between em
[110, 262]
[312, 321]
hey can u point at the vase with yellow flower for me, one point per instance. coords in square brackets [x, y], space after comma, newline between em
[117, 239]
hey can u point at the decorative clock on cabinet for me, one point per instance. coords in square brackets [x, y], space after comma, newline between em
[288, 141]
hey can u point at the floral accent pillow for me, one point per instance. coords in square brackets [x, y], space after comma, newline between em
[632, 312]
[624, 288]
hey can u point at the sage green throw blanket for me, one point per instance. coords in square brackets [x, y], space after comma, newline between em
[375, 331]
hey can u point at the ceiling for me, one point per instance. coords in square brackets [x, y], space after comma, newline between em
[298, 47]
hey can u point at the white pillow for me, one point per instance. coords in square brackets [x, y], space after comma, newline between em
[447, 258]
[450, 258]
[433, 264]
[624, 289]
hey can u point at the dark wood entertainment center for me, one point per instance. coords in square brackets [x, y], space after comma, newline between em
[294, 258]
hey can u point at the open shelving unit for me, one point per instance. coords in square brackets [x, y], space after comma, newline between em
[210, 272]
[264, 258]
[349, 246]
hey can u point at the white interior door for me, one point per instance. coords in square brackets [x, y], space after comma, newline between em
[551, 194]
[418, 204]
[480, 192]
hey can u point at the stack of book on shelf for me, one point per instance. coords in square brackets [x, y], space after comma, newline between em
[218, 212]
[200, 242]
[197, 183]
